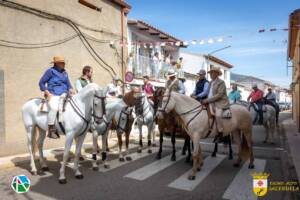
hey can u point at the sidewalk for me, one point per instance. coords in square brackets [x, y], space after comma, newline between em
[54, 153]
[293, 141]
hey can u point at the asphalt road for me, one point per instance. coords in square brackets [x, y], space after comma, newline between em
[146, 178]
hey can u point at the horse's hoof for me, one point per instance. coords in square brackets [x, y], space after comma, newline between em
[230, 158]
[128, 158]
[121, 159]
[213, 155]
[272, 143]
[98, 151]
[183, 153]
[158, 156]
[45, 169]
[107, 149]
[149, 151]
[154, 145]
[34, 173]
[80, 176]
[106, 166]
[81, 158]
[173, 158]
[265, 141]
[62, 181]
[139, 150]
[198, 169]
[191, 177]
[236, 164]
[95, 168]
[251, 166]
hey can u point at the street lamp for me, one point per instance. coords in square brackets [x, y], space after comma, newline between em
[209, 54]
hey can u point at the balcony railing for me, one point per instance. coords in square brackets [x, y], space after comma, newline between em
[155, 69]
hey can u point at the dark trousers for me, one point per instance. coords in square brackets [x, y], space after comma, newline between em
[260, 111]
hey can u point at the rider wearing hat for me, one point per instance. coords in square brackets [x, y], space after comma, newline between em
[271, 100]
[174, 84]
[54, 83]
[256, 97]
[202, 87]
[217, 98]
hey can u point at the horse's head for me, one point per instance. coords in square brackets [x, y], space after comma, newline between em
[130, 98]
[167, 104]
[99, 101]
[157, 97]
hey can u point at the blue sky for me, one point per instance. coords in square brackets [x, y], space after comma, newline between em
[259, 54]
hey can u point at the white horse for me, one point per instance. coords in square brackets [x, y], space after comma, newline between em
[90, 101]
[117, 115]
[197, 124]
[144, 116]
[269, 119]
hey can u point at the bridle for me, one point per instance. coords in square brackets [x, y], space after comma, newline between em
[140, 108]
[194, 110]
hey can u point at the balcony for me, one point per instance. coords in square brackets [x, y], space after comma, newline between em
[142, 65]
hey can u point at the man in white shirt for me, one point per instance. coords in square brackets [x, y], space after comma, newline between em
[114, 90]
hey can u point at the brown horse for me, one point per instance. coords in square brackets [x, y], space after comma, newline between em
[170, 123]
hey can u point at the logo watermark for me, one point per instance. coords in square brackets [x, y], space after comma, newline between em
[20, 184]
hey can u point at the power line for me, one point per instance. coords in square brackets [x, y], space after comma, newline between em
[73, 25]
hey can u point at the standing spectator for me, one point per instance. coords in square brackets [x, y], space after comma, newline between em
[156, 65]
[86, 78]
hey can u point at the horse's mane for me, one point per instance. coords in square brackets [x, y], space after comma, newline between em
[187, 98]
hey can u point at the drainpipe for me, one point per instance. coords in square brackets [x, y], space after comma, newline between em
[122, 48]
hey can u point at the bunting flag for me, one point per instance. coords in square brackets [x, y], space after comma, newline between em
[208, 41]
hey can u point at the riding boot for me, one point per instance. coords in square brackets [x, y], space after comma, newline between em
[219, 138]
[52, 132]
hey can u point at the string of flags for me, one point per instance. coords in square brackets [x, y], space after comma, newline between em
[211, 40]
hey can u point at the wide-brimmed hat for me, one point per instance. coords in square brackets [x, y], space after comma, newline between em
[215, 69]
[58, 59]
[171, 73]
[201, 72]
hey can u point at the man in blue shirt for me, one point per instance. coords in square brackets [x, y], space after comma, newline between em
[234, 95]
[54, 83]
[202, 87]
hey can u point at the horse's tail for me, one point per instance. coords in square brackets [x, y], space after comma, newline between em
[33, 140]
[245, 151]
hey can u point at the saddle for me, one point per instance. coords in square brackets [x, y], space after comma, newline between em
[44, 106]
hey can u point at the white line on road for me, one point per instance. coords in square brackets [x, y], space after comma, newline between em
[135, 156]
[153, 168]
[241, 186]
[209, 165]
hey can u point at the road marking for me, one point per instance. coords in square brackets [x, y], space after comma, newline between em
[210, 163]
[135, 156]
[241, 186]
[153, 168]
